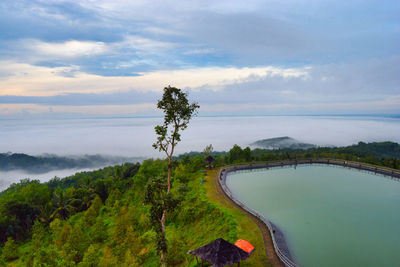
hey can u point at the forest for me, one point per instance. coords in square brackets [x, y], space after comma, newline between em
[378, 153]
[104, 218]
[45, 163]
[100, 219]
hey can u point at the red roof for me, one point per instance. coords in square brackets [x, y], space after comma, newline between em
[245, 245]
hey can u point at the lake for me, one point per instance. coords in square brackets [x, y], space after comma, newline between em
[330, 215]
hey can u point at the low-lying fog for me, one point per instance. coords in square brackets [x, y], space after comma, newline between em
[49, 166]
[9, 177]
[133, 137]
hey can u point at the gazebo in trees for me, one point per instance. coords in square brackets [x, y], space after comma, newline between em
[220, 253]
[209, 160]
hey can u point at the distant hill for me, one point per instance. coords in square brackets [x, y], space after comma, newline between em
[281, 143]
[375, 149]
[45, 163]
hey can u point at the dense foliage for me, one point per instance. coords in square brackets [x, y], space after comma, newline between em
[378, 153]
[106, 217]
[101, 218]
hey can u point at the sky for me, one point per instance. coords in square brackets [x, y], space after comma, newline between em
[113, 58]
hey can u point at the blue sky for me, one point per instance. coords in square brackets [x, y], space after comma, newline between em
[112, 58]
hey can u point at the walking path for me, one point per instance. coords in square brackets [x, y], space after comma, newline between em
[268, 244]
[274, 242]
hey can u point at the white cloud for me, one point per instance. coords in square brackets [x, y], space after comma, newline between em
[366, 87]
[200, 51]
[29, 80]
[386, 105]
[136, 48]
[143, 44]
[68, 49]
[10, 109]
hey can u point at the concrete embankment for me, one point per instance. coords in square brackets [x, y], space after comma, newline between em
[273, 236]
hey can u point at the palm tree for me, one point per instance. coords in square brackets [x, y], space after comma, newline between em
[64, 206]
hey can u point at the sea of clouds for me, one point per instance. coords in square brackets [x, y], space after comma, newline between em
[133, 137]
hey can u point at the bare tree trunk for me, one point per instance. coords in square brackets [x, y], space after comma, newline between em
[163, 232]
[165, 211]
[170, 165]
[169, 173]
[163, 221]
[162, 259]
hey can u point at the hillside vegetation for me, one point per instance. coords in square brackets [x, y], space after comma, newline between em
[45, 163]
[99, 219]
[281, 142]
[378, 153]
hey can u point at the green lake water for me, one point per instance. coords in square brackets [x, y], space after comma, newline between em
[331, 216]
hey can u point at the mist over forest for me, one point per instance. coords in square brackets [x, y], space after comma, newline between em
[48, 162]
[132, 137]
[18, 166]
[110, 141]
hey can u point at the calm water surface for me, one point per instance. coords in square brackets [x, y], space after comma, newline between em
[331, 216]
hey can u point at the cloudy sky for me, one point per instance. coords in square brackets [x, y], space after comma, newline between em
[112, 58]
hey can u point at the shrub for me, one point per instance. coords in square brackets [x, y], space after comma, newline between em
[10, 250]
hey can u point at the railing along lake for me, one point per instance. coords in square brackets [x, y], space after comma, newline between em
[278, 239]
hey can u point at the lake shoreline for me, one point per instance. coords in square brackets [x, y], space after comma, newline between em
[277, 239]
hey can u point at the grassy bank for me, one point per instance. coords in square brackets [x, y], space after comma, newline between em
[246, 228]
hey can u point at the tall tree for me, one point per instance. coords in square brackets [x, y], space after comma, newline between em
[208, 150]
[177, 114]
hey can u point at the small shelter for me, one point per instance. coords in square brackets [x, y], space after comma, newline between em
[209, 160]
[220, 253]
[245, 245]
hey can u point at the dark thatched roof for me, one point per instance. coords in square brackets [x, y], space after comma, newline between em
[209, 159]
[220, 253]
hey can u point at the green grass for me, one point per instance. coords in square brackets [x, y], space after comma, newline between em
[246, 228]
